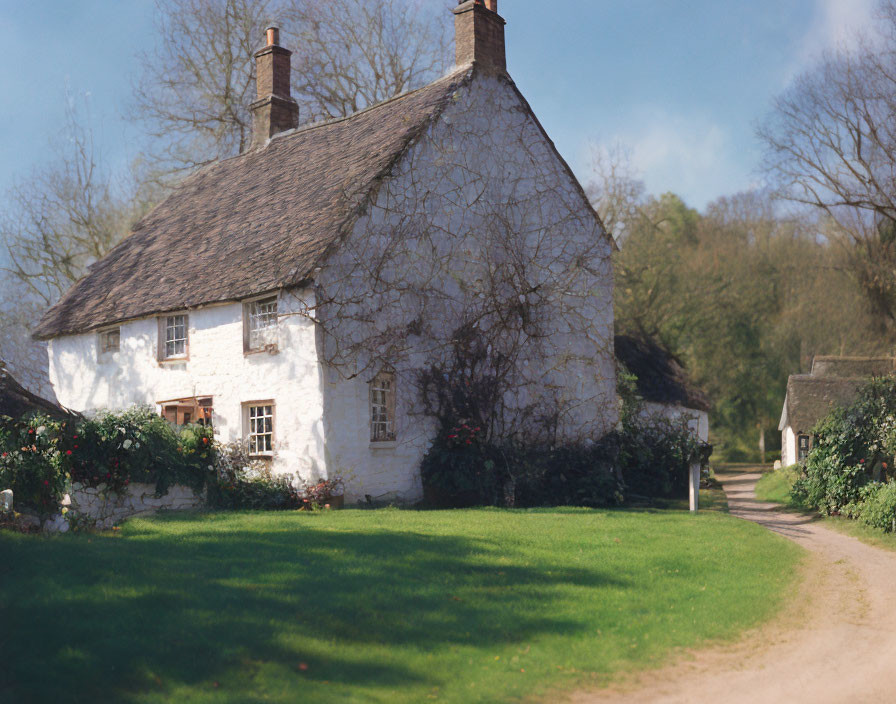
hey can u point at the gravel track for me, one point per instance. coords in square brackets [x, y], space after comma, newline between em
[835, 642]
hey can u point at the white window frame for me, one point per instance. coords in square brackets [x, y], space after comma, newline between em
[102, 348]
[267, 337]
[268, 410]
[382, 408]
[164, 326]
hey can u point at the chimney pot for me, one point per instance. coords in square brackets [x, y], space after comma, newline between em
[273, 35]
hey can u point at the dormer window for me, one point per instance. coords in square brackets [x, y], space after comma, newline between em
[260, 325]
[109, 341]
[173, 337]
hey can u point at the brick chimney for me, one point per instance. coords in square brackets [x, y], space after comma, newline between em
[274, 110]
[479, 35]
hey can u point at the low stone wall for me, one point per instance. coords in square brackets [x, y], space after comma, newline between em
[106, 508]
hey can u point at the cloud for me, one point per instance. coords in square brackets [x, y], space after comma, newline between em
[688, 154]
[835, 24]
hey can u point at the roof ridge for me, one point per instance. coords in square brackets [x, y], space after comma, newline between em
[307, 127]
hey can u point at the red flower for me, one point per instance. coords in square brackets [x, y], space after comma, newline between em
[108, 476]
[68, 452]
[31, 431]
[861, 461]
[46, 482]
[5, 454]
[76, 447]
[883, 464]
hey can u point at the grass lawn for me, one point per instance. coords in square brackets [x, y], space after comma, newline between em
[775, 486]
[373, 606]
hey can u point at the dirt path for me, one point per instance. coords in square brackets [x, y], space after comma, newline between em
[836, 643]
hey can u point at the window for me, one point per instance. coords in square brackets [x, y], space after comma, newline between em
[802, 447]
[260, 324]
[183, 411]
[110, 341]
[173, 342]
[382, 407]
[260, 427]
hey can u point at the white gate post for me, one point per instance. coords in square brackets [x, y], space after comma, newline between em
[694, 486]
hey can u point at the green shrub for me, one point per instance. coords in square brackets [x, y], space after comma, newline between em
[655, 457]
[854, 446]
[876, 506]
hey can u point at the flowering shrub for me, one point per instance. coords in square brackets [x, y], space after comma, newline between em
[41, 457]
[320, 492]
[35, 460]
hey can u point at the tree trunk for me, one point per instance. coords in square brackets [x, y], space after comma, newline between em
[762, 444]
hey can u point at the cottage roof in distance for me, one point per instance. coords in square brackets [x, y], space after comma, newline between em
[661, 377]
[16, 401]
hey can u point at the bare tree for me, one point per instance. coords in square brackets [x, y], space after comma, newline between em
[615, 190]
[355, 53]
[65, 216]
[831, 145]
[197, 85]
[54, 225]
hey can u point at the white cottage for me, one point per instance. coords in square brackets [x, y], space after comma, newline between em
[294, 295]
[832, 381]
[666, 389]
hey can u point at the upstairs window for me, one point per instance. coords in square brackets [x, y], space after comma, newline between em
[382, 407]
[173, 340]
[261, 331]
[259, 418]
[110, 341]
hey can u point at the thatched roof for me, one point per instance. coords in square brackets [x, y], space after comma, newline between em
[16, 401]
[662, 378]
[853, 367]
[810, 398]
[254, 223]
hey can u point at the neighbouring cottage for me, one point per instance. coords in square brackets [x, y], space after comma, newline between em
[664, 384]
[295, 296]
[832, 381]
[16, 401]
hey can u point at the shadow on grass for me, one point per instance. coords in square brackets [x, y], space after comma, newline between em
[189, 601]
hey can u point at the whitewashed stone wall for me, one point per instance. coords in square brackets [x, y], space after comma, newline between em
[788, 447]
[107, 508]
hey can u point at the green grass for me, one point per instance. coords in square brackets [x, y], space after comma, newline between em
[775, 486]
[374, 606]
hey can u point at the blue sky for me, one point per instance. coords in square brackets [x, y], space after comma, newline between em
[680, 83]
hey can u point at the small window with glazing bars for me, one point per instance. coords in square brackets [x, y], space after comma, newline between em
[382, 407]
[261, 325]
[260, 427]
[173, 337]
